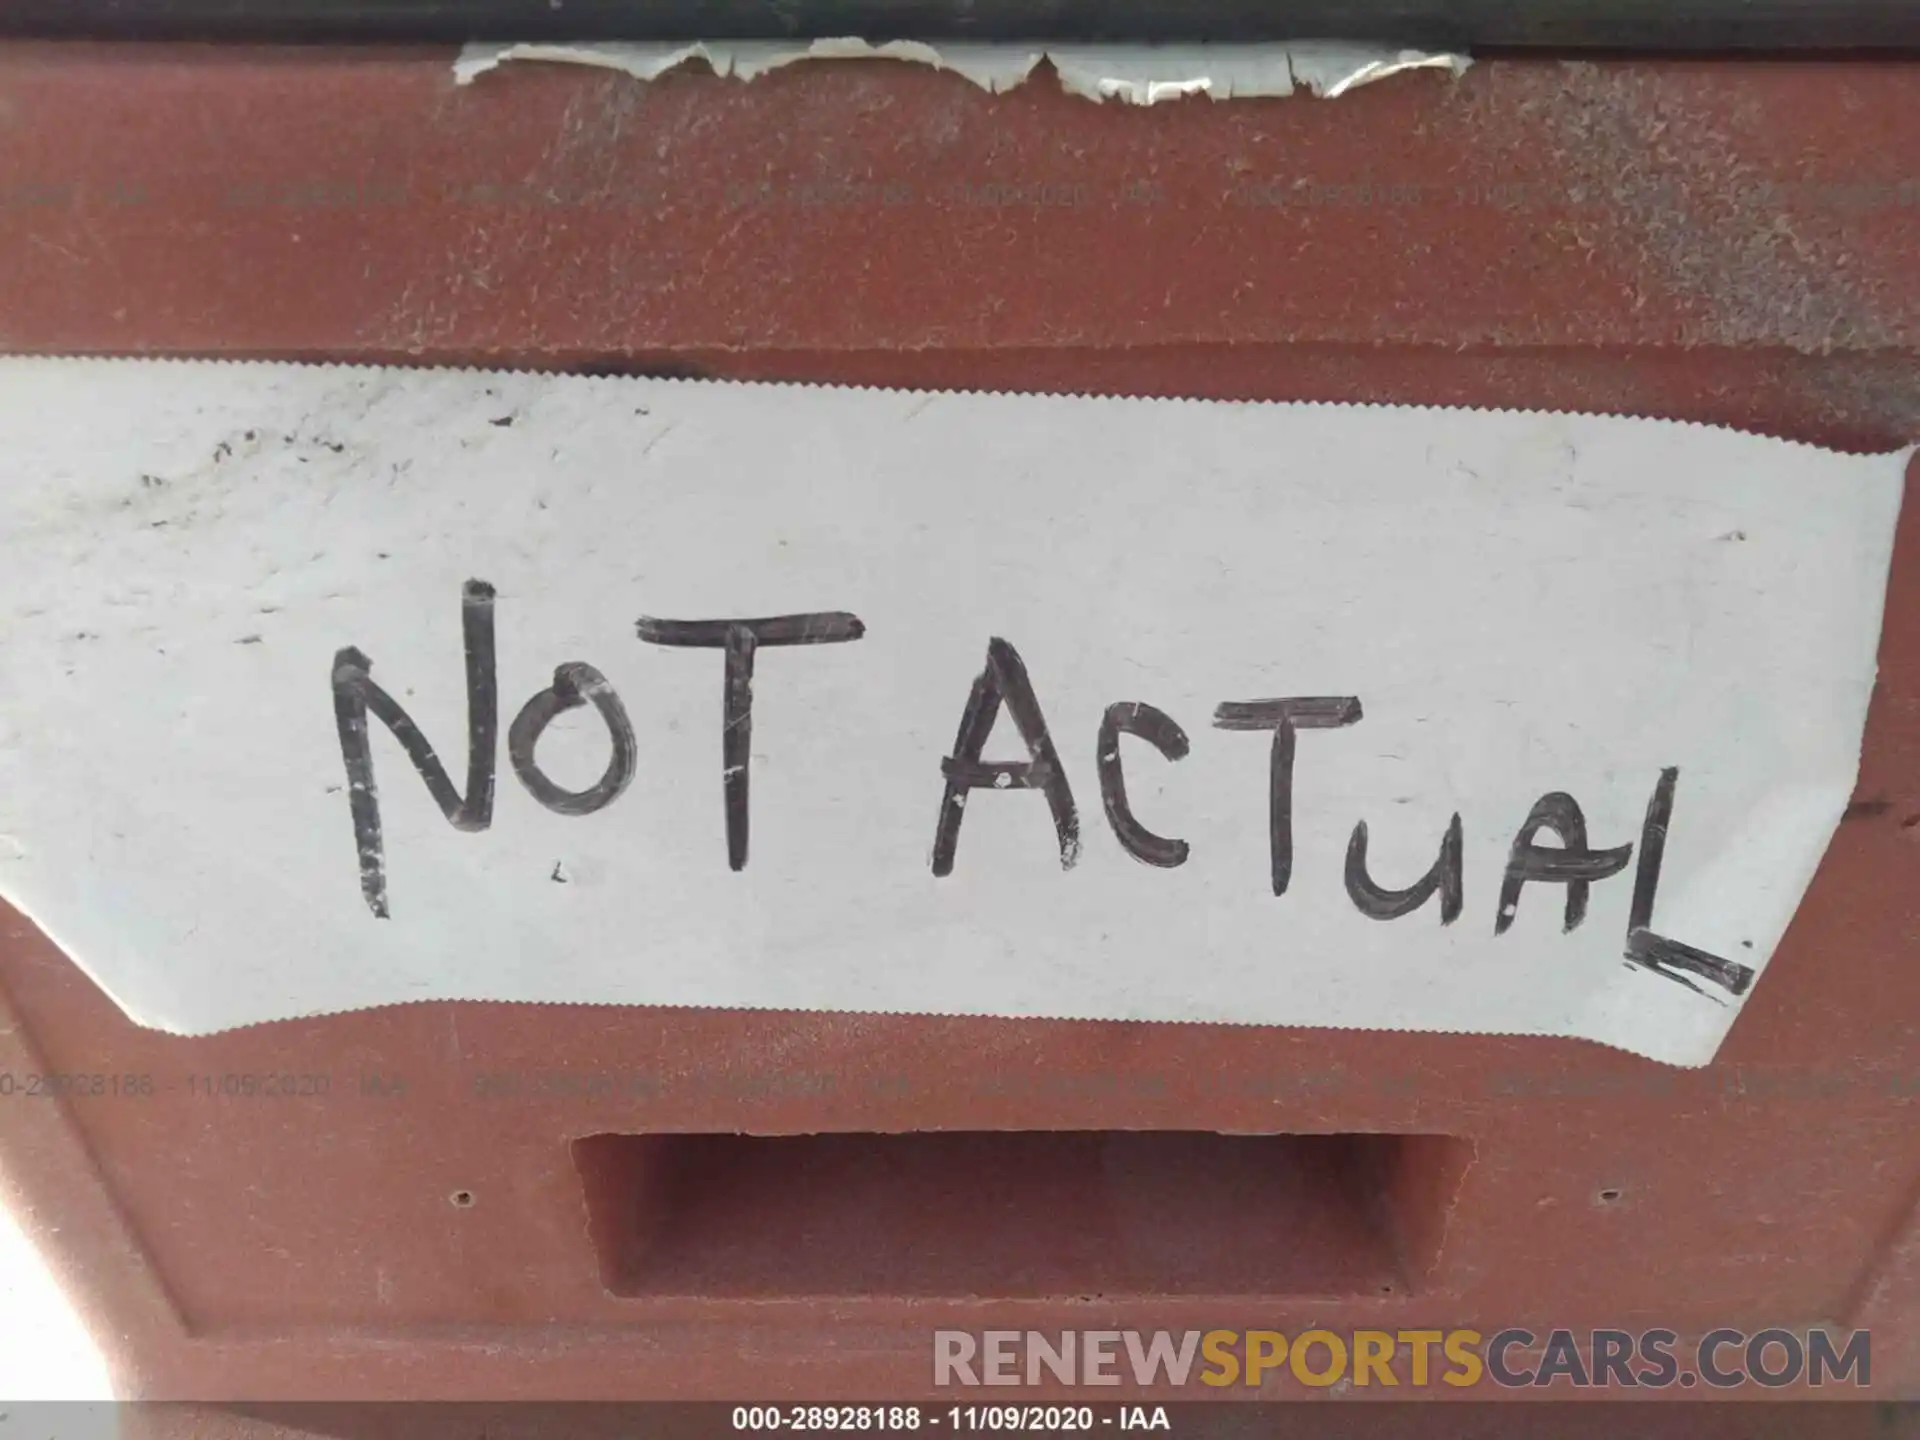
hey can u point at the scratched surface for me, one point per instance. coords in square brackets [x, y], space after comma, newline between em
[1723, 243]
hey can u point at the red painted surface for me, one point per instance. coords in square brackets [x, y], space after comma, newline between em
[1726, 243]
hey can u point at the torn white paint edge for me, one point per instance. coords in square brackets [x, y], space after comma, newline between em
[1134, 74]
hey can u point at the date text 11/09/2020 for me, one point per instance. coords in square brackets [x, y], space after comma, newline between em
[1030, 1419]
[1003, 684]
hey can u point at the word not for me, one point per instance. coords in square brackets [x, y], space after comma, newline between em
[1003, 684]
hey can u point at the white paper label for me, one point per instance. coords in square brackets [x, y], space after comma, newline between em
[815, 699]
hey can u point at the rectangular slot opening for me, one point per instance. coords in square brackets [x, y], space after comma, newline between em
[1017, 1214]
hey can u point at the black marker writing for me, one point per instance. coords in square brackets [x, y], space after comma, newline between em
[1004, 681]
[1444, 878]
[1284, 718]
[742, 639]
[1158, 729]
[574, 685]
[355, 695]
[1669, 958]
[1572, 865]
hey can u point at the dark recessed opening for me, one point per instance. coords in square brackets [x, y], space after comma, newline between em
[1017, 1213]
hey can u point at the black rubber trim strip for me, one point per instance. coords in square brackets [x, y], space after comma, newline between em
[1625, 25]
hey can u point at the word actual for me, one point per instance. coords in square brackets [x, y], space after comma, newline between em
[1002, 685]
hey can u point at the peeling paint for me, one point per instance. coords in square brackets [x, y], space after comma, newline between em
[1133, 74]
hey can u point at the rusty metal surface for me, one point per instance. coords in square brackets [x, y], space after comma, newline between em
[1725, 243]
